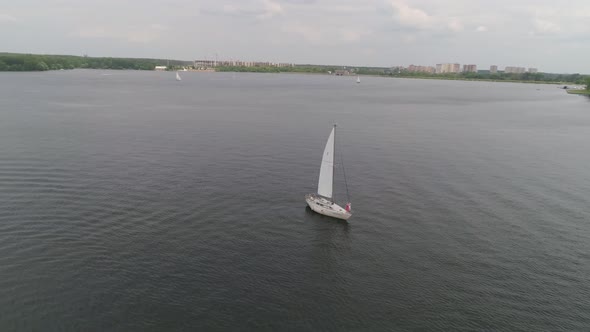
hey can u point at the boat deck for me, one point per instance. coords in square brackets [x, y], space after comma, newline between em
[325, 206]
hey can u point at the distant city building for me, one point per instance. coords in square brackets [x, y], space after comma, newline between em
[238, 63]
[204, 63]
[533, 70]
[514, 70]
[493, 69]
[443, 68]
[341, 72]
[470, 68]
[160, 68]
[421, 69]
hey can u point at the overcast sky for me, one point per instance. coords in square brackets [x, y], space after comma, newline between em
[552, 35]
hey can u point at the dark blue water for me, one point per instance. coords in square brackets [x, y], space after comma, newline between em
[132, 202]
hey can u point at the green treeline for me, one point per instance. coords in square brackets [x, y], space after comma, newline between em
[34, 62]
[527, 77]
[500, 76]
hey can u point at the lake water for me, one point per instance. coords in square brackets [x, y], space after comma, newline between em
[133, 202]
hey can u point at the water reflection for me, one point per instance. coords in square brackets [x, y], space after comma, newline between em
[330, 249]
[331, 234]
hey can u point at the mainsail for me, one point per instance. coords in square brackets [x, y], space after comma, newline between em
[327, 169]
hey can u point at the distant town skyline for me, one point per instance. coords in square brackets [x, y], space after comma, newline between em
[442, 68]
[439, 68]
[382, 33]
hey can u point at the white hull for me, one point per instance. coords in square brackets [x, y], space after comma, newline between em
[326, 207]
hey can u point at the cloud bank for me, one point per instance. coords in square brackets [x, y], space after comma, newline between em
[535, 33]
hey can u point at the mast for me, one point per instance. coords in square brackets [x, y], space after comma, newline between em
[343, 170]
[334, 163]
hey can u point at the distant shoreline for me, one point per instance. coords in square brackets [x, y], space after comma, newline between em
[18, 62]
[578, 92]
[386, 72]
[444, 78]
[326, 74]
[473, 79]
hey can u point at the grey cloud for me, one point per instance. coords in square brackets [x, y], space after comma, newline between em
[5, 18]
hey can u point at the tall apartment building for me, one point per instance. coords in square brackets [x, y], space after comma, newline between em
[493, 69]
[470, 68]
[533, 70]
[421, 69]
[514, 70]
[442, 68]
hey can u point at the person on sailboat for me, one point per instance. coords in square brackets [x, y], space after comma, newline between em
[348, 207]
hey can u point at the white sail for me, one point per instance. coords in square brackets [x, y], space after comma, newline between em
[358, 79]
[327, 169]
[178, 76]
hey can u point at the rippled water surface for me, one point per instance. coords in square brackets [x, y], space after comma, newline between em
[130, 201]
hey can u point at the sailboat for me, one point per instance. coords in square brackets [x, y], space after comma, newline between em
[323, 202]
[358, 79]
[178, 78]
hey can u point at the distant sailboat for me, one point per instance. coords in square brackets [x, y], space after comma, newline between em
[322, 202]
[358, 79]
[178, 78]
